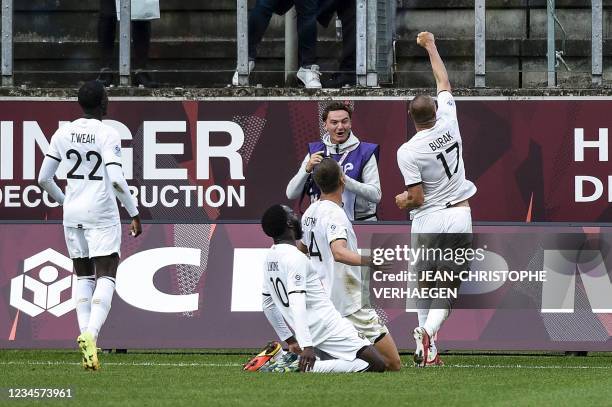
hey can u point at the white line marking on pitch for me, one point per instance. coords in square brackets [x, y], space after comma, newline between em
[525, 367]
[62, 363]
[194, 364]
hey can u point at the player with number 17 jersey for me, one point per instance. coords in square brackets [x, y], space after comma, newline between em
[433, 158]
[86, 147]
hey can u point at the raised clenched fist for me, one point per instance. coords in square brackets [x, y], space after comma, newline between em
[425, 39]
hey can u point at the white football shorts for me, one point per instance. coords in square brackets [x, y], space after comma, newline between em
[344, 342]
[93, 242]
[449, 220]
[368, 323]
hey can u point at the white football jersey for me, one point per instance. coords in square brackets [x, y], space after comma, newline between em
[322, 223]
[287, 270]
[433, 158]
[85, 147]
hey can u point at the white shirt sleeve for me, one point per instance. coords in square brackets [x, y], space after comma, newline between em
[297, 302]
[446, 106]
[409, 167]
[53, 150]
[111, 155]
[296, 277]
[296, 185]
[111, 149]
[121, 189]
[275, 318]
[272, 313]
[45, 178]
[296, 290]
[369, 189]
[336, 230]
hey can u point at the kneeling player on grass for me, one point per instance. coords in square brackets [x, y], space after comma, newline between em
[292, 292]
[331, 243]
[92, 228]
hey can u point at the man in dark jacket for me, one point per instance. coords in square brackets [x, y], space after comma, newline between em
[346, 11]
[259, 20]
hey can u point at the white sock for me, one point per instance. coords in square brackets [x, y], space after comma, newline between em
[422, 314]
[100, 304]
[340, 366]
[84, 291]
[433, 350]
[435, 319]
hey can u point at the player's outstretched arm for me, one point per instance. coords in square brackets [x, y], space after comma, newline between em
[46, 181]
[342, 254]
[427, 41]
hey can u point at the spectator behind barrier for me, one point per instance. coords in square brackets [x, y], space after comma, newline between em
[259, 20]
[143, 11]
[346, 11]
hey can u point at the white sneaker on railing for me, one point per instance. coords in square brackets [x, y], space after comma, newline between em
[235, 77]
[310, 77]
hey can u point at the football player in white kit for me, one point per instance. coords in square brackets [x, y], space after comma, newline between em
[90, 152]
[330, 241]
[436, 192]
[292, 292]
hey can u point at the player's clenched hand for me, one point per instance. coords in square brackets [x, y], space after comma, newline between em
[401, 200]
[307, 359]
[135, 226]
[425, 39]
[368, 261]
[315, 158]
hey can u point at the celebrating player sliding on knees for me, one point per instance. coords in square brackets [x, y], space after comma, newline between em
[292, 292]
[331, 243]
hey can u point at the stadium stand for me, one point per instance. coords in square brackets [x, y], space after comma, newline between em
[194, 43]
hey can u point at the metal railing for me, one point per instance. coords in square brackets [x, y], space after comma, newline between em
[242, 41]
[125, 40]
[550, 43]
[596, 42]
[7, 42]
[480, 44]
[366, 43]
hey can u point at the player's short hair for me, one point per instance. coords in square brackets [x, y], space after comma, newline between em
[91, 95]
[423, 109]
[274, 221]
[333, 106]
[327, 175]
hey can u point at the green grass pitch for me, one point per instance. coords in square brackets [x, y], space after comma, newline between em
[213, 379]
